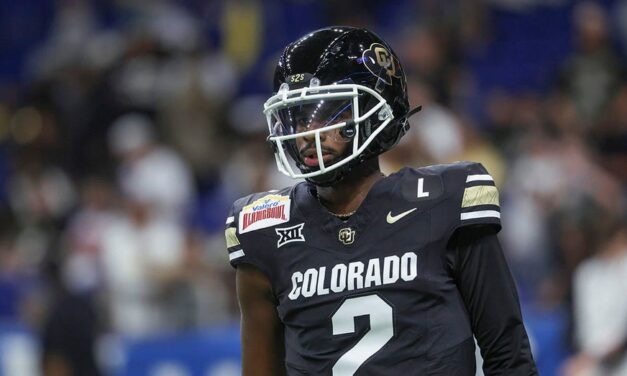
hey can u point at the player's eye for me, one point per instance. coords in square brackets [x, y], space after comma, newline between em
[302, 123]
[342, 117]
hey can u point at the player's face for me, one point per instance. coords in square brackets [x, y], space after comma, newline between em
[333, 143]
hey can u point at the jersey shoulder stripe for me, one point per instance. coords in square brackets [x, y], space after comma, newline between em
[478, 177]
[479, 203]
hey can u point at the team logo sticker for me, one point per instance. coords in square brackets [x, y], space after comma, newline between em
[268, 211]
[346, 236]
[290, 235]
[381, 63]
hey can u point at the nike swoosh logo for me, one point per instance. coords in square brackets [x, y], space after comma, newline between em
[393, 218]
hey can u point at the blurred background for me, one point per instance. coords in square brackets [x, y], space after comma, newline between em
[128, 127]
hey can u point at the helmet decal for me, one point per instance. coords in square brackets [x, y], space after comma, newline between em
[381, 63]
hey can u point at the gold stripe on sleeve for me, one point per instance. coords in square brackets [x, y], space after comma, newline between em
[231, 237]
[480, 195]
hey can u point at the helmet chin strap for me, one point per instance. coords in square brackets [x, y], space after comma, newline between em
[404, 123]
[361, 169]
[326, 180]
[412, 112]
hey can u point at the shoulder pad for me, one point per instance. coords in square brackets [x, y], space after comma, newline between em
[457, 194]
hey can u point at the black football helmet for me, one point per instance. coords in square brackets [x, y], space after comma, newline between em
[342, 80]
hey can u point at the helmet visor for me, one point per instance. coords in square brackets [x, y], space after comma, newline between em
[328, 116]
[319, 131]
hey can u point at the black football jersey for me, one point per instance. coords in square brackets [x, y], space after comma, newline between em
[374, 294]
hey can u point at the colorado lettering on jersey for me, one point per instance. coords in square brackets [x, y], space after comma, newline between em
[268, 211]
[356, 275]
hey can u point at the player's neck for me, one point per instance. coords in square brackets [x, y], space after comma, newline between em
[348, 194]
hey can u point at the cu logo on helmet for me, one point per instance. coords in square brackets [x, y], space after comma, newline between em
[381, 63]
[384, 59]
[347, 236]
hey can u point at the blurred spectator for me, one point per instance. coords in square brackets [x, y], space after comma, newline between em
[238, 173]
[611, 138]
[150, 172]
[551, 176]
[424, 51]
[70, 330]
[73, 321]
[40, 193]
[142, 259]
[601, 309]
[84, 236]
[196, 90]
[592, 74]
[18, 278]
[209, 282]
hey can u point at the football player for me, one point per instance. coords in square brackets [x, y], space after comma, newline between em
[356, 273]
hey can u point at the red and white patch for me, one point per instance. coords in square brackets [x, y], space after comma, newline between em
[268, 211]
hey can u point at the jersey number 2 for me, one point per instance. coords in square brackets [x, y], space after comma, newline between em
[381, 330]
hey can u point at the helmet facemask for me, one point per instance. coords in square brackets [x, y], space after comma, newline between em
[300, 119]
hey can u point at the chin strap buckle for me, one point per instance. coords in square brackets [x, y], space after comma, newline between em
[385, 113]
